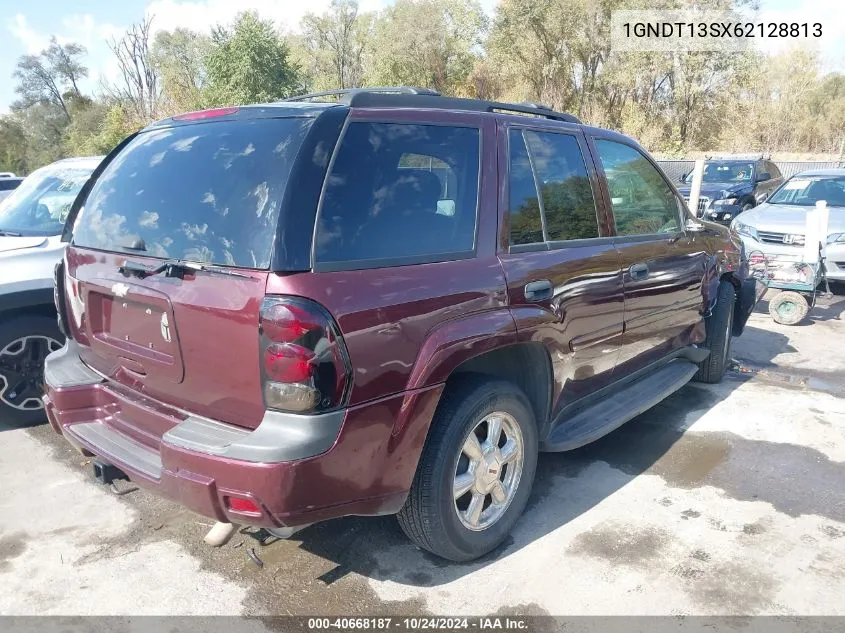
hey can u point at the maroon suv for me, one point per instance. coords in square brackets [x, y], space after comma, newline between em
[285, 313]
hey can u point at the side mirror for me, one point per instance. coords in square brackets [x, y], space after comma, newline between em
[682, 177]
[763, 177]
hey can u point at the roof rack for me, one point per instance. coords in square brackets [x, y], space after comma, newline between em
[409, 97]
[349, 93]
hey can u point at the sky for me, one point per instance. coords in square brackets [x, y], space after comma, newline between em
[25, 27]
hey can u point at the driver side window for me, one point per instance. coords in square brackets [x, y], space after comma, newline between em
[642, 201]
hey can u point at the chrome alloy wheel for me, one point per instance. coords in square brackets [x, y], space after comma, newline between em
[22, 371]
[488, 471]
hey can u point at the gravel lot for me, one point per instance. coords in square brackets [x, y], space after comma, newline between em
[726, 499]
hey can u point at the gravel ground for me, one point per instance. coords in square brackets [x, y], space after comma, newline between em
[725, 499]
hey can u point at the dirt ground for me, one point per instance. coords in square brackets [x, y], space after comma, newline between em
[725, 499]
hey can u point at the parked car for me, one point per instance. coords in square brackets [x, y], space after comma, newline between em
[31, 222]
[777, 228]
[731, 187]
[8, 184]
[286, 313]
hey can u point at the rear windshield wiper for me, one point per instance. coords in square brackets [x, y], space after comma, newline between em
[174, 268]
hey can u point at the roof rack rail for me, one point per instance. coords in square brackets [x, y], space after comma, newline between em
[411, 97]
[351, 92]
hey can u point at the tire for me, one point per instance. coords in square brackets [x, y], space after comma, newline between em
[719, 326]
[746, 207]
[24, 343]
[430, 516]
[788, 308]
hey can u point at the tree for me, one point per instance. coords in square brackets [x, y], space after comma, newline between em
[50, 76]
[249, 63]
[429, 43]
[13, 145]
[179, 58]
[139, 82]
[335, 43]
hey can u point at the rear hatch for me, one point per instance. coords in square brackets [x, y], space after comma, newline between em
[167, 268]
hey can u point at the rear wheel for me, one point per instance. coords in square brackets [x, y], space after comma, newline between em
[788, 308]
[476, 470]
[25, 342]
[719, 326]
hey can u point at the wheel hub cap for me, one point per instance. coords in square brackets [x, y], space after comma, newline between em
[488, 471]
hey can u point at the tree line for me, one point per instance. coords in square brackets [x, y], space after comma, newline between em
[555, 52]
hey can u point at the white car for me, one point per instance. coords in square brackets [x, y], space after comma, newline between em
[777, 227]
[31, 222]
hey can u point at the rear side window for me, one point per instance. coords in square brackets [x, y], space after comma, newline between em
[568, 204]
[7, 184]
[400, 193]
[526, 225]
[642, 201]
[207, 192]
[554, 163]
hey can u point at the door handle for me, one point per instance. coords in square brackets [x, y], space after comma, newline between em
[539, 290]
[638, 271]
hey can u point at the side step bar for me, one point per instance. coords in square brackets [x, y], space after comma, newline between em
[589, 424]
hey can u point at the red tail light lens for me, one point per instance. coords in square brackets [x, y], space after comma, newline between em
[304, 364]
[243, 505]
[289, 363]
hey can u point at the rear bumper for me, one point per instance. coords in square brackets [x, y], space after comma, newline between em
[296, 469]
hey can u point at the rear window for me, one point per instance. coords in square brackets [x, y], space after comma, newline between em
[7, 184]
[400, 193]
[208, 192]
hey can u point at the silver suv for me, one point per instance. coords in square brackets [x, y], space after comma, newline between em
[777, 227]
[31, 223]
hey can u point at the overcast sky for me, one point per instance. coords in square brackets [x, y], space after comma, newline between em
[25, 27]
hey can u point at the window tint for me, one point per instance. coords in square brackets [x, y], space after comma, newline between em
[208, 192]
[567, 195]
[526, 227]
[642, 201]
[400, 191]
[8, 184]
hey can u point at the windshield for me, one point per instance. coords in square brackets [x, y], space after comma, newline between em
[726, 172]
[208, 192]
[805, 191]
[40, 205]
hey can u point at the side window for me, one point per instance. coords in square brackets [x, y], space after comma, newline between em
[526, 226]
[773, 170]
[642, 201]
[565, 189]
[566, 205]
[400, 191]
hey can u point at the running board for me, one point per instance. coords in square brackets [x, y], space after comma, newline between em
[608, 414]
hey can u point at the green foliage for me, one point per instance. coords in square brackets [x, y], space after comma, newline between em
[248, 63]
[179, 57]
[12, 146]
[431, 43]
[332, 46]
[555, 52]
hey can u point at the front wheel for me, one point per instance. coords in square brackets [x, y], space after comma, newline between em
[25, 342]
[719, 328]
[476, 470]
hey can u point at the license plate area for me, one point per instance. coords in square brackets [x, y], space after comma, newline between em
[137, 331]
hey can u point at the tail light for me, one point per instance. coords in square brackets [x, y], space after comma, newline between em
[304, 364]
[59, 297]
